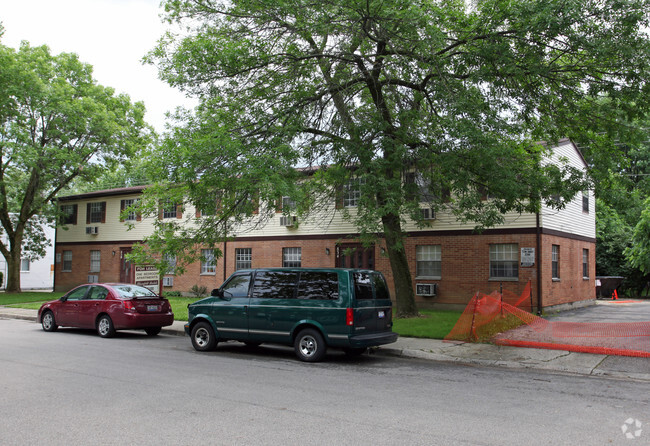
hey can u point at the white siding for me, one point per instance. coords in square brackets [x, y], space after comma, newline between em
[572, 219]
[331, 221]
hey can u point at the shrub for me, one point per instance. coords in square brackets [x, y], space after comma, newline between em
[199, 291]
[172, 294]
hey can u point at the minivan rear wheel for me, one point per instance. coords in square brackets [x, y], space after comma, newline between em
[310, 345]
[203, 337]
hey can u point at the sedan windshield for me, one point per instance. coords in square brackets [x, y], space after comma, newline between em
[129, 291]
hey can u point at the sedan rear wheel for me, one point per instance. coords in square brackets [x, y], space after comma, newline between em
[105, 327]
[48, 322]
[203, 337]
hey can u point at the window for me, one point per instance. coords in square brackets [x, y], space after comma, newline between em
[237, 286]
[364, 284]
[96, 212]
[170, 259]
[318, 285]
[131, 215]
[24, 266]
[95, 257]
[504, 261]
[67, 261]
[352, 192]
[428, 261]
[69, 214]
[208, 264]
[77, 293]
[243, 258]
[585, 202]
[275, 285]
[555, 261]
[170, 210]
[288, 204]
[292, 257]
[585, 263]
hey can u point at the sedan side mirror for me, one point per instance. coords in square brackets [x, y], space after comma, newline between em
[216, 293]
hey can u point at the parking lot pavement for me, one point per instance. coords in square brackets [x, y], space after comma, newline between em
[490, 355]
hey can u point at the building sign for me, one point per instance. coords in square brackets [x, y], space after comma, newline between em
[527, 257]
[148, 276]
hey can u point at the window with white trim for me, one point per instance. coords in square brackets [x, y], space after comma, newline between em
[585, 263]
[555, 261]
[24, 265]
[170, 259]
[291, 257]
[352, 192]
[67, 261]
[208, 263]
[243, 258]
[428, 261]
[504, 261]
[95, 265]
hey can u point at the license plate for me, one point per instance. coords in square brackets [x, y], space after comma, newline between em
[153, 308]
[381, 314]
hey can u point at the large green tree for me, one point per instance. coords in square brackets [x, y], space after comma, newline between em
[460, 92]
[56, 124]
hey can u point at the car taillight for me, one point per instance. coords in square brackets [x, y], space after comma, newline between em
[128, 305]
[349, 317]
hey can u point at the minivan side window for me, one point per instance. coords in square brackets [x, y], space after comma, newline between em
[381, 289]
[362, 286]
[318, 285]
[237, 286]
[364, 283]
[275, 284]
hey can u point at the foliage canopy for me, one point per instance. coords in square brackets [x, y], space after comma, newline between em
[459, 92]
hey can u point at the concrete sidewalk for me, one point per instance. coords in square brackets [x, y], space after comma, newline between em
[585, 364]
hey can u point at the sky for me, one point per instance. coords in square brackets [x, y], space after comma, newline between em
[110, 35]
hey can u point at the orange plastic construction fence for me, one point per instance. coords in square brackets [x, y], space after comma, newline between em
[500, 318]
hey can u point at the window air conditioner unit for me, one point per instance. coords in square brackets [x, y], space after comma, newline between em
[287, 221]
[426, 289]
[428, 214]
[168, 281]
[92, 230]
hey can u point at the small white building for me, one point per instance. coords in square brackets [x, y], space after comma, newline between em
[36, 275]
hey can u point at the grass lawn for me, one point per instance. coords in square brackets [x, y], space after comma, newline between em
[433, 324]
[27, 299]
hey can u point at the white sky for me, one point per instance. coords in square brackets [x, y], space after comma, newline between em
[110, 35]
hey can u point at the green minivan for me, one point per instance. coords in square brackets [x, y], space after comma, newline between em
[309, 308]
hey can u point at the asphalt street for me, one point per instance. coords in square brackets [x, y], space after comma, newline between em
[72, 387]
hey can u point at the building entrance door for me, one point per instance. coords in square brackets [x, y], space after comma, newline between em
[126, 268]
[354, 255]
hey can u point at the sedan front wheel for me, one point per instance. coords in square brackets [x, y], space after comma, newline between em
[48, 322]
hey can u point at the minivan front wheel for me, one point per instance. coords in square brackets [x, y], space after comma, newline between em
[310, 345]
[203, 337]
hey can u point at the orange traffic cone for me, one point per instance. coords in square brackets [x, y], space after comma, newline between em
[615, 295]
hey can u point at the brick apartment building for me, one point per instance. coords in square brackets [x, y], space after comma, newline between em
[449, 262]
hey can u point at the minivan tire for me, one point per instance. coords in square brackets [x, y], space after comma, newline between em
[310, 345]
[203, 337]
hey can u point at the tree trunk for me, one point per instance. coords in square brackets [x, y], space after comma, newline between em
[13, 270]
[405, 297]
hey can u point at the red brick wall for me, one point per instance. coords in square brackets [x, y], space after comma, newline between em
[465, 266]
[571, 287]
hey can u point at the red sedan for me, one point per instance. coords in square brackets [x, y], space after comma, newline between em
[107, 307]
